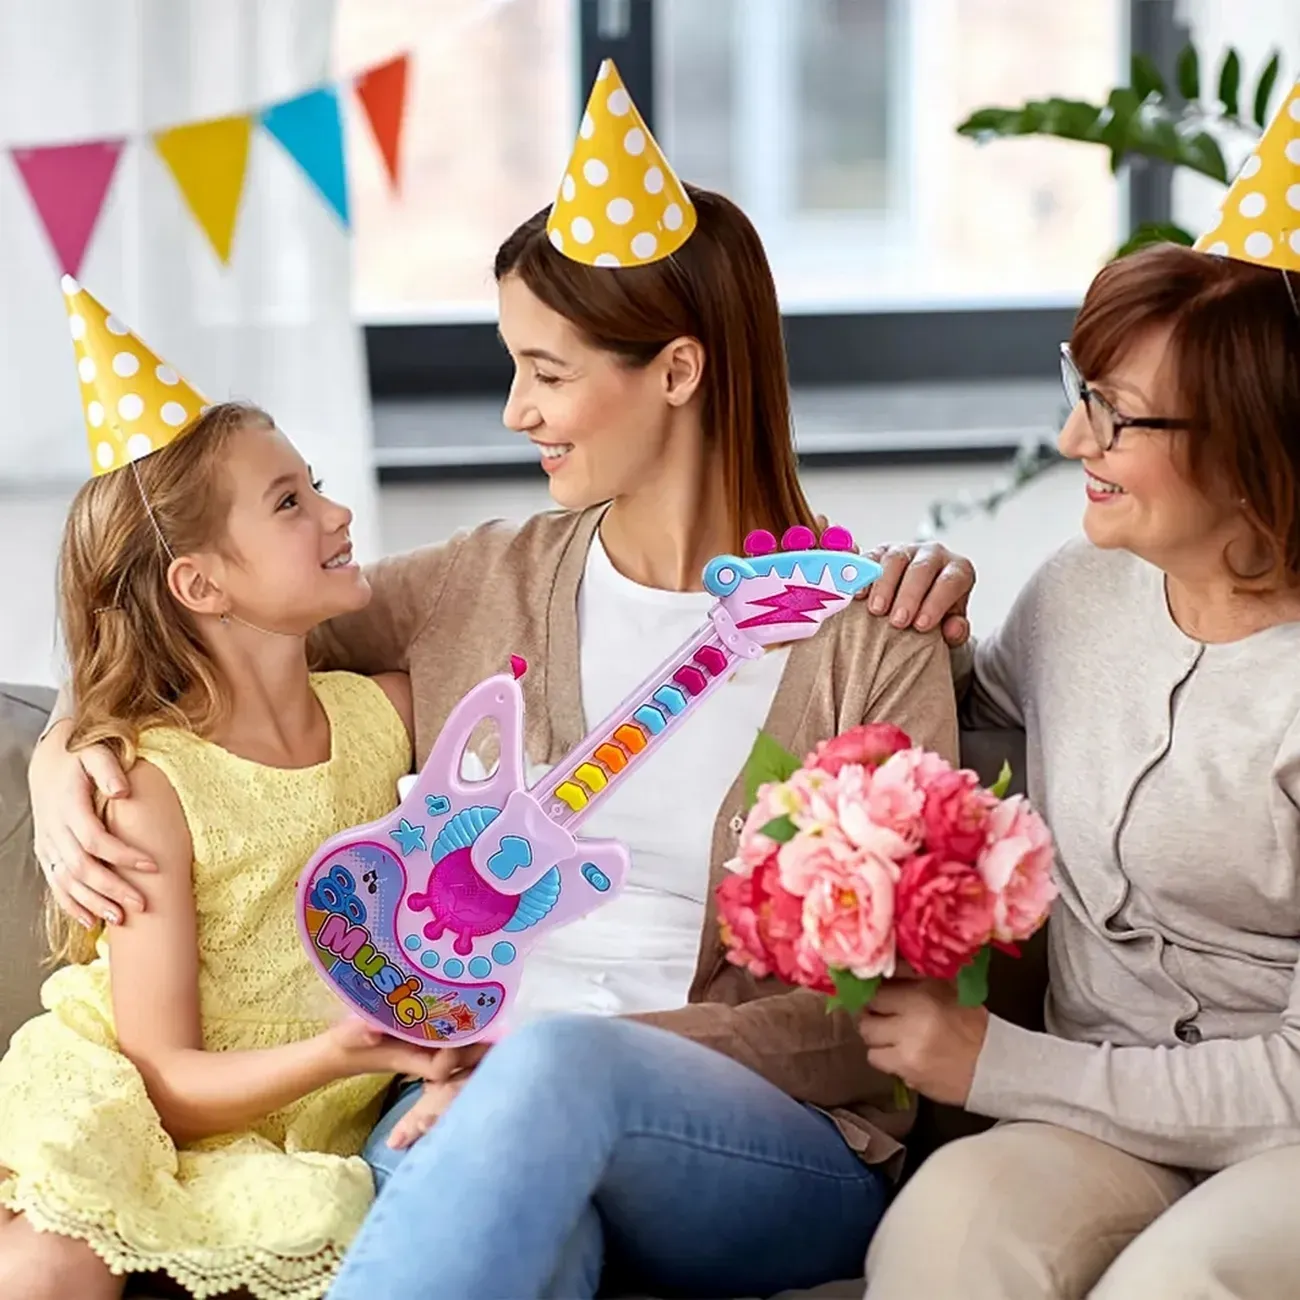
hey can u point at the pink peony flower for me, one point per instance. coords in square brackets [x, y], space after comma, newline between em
[739, 899]
[895, 800]
[867, 746]
[956, 815]
[1017, 867]
[803, 859]
[943, 915]
[848, 918]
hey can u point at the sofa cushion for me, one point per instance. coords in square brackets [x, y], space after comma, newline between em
[23, 711]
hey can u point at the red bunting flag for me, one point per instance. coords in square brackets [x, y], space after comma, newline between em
[68, 184]
[382, 92]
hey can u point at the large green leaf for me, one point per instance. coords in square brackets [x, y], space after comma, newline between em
[973, 980]
[1146, 78]
[768, 761]
[1189, 74]
[1155, 232]
[1067, 119]
[780, 829]
[1116, 122]
[1230, 83]
[851, 993]
[1264, 89]
[1200, 151]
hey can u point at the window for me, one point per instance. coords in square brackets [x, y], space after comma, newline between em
[490, 120]
[832, 123]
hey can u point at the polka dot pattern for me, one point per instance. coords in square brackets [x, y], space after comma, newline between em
[1260, 217]
[134, 402]
[620, 203]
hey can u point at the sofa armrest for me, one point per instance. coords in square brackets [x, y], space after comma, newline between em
[23, 711]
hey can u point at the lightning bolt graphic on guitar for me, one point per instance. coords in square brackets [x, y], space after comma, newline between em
[463, 877]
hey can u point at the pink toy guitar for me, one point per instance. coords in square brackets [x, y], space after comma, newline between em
[421, 921]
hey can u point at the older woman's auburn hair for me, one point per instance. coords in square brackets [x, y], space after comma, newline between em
[717, 288]
[1233, 368]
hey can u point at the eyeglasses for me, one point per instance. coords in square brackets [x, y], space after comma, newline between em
[1105, 421]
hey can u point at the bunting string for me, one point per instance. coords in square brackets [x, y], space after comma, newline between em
[68, 184]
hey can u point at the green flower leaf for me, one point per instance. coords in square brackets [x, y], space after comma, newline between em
[780, 829]
[1000, 787]
[1264, 89]
[851, 993]
[768, 761]
[1189, 74]
[973, 980]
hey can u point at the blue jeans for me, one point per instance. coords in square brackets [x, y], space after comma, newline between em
[586, 1148]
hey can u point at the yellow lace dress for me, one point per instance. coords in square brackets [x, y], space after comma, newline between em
[82, 1151]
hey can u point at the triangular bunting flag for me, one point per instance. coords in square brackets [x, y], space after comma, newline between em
[68, 184]
[209, 161]
[382, 92]
[311, 131]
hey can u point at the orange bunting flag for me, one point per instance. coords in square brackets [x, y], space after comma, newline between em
[209, 161]
[382, 92]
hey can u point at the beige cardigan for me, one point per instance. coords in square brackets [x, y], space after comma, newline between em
[453, 614]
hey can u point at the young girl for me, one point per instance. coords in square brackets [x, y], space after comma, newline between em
[194, 1102]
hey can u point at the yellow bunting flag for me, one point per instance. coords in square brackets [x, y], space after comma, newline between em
[620, 203]
[209, 161]
[1259, 220]
[134, 402]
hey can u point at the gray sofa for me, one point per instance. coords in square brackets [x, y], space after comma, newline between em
[1016, 986]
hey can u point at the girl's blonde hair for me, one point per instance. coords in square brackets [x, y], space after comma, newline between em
[135, 656]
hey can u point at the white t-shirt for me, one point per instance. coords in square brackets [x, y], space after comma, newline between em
[639, 951]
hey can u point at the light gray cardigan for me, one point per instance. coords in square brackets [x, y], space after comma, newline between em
[1169, 772]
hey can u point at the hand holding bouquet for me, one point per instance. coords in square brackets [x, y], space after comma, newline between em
[874, 852]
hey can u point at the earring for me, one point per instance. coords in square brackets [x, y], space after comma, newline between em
[225, 620]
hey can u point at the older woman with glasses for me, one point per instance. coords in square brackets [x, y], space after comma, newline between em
[1151, 1138]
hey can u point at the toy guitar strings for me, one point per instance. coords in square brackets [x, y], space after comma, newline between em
[421, 921]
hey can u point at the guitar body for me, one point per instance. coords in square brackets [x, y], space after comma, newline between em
[421, 921]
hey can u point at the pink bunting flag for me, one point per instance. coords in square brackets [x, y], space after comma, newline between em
[68, 184]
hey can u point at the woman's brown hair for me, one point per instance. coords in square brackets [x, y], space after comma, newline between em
[717, 288]
[1234, 374]
[136, 659]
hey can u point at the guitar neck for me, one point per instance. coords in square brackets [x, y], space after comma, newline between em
[651, 713]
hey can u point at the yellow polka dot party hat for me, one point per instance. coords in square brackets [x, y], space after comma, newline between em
[1260, 217]
[134, 402]
[620, 203]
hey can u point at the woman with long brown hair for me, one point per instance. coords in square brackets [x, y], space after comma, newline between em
[659, 1116]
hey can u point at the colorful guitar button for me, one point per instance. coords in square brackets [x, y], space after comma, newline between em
[633, 739]
[572, 794]
[609, 754]
[671, 698]
[690, 679]
[592, 777]
[711, 659]
[650, 718]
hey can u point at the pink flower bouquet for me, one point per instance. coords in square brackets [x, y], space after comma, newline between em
[873, 852]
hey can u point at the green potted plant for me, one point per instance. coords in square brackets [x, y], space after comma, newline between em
[1146, 119]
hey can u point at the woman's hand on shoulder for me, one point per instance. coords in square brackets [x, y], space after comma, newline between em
[924, 585]
[81, 859]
